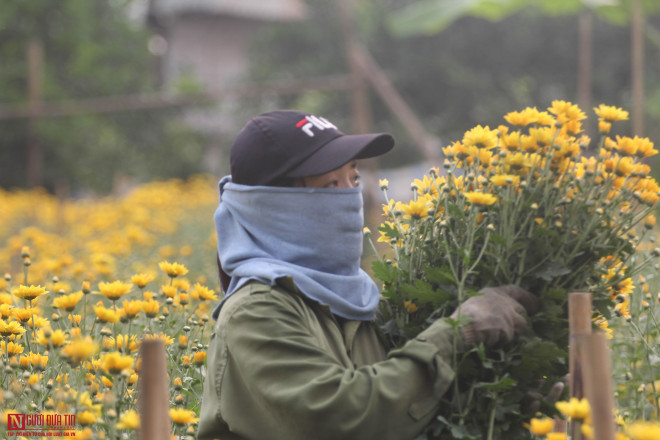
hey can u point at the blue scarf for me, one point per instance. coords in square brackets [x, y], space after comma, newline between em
[313, 235]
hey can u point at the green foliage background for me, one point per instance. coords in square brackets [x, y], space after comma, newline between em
[91, 49]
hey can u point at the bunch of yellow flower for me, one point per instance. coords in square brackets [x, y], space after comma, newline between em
[534, 203]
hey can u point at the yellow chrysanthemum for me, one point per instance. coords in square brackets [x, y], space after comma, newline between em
[114, 290]
[114, 363]
[182, 416]
[410, 306]
[603, 324]
[38, 361]
[6, 311]
[574, 408]
[416, 209]
[167, 340]
[142, 279]
[29, 293]
[383, 184]
[480, 137]
[479, 198]
[556, 436]
[150, 308]
[517, 161]
[86, 417]
[204, 293]
[522, 118]
[6, 298]
[169, 291]
[22, 315]
[199, 357]
[566, 111]
[650, 221]
[132, 308]
[541, 426]
[105, 314]
[11, 347]
[644, 431]
[511, 141]
[625, 286]
[644, 147]
[37, 322]
[122, 343]
[604, 127]
[505, 180]
[68, 302]
[182, 284]
[129, 420]
[172, 270]
[610, 113]
[626, 146]
[80, 350]
[48, 336]
[10, 328]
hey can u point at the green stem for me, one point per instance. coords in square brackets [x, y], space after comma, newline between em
[491, 421]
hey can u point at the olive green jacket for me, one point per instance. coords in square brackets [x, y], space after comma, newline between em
[281, 366]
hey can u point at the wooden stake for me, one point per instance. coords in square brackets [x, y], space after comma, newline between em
[637, 64]
[598, 383]
[35, 156]
[154, 392]
[579, 325]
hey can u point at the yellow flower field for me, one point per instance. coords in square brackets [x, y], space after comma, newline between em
[85, 282]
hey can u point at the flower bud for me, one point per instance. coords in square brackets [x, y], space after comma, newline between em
[25, 252]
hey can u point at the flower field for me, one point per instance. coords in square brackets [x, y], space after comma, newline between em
[85, 281]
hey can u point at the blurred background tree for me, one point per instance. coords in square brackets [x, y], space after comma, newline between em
[459, 67]
[88, 49]
[456, 68]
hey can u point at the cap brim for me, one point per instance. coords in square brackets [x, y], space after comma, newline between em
[341, 150]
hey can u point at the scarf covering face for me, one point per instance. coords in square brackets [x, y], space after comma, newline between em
[313, 235]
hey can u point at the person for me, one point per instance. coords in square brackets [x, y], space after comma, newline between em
[295, 353]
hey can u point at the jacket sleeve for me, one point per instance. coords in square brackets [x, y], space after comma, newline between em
[294, 384]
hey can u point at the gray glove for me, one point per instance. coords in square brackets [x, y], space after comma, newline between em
[497, 315]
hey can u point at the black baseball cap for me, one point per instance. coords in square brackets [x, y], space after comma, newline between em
[290, 143]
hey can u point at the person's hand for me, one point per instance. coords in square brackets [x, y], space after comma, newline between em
[497, 315]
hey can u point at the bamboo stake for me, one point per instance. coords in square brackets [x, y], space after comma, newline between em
[579, 325]
[599, 386]
[154, 393]
[637, 65]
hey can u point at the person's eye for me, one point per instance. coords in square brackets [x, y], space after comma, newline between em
[356, 180]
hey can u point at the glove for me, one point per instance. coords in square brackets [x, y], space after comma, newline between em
[497, 315]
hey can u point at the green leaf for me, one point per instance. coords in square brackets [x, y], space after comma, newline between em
[382, 271]
[501, 385]
[422, 292]
[552, 271]
[439, 275]
[461, 431]
[389, 231]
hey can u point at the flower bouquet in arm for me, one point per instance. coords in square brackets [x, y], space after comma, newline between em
[533, 203]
